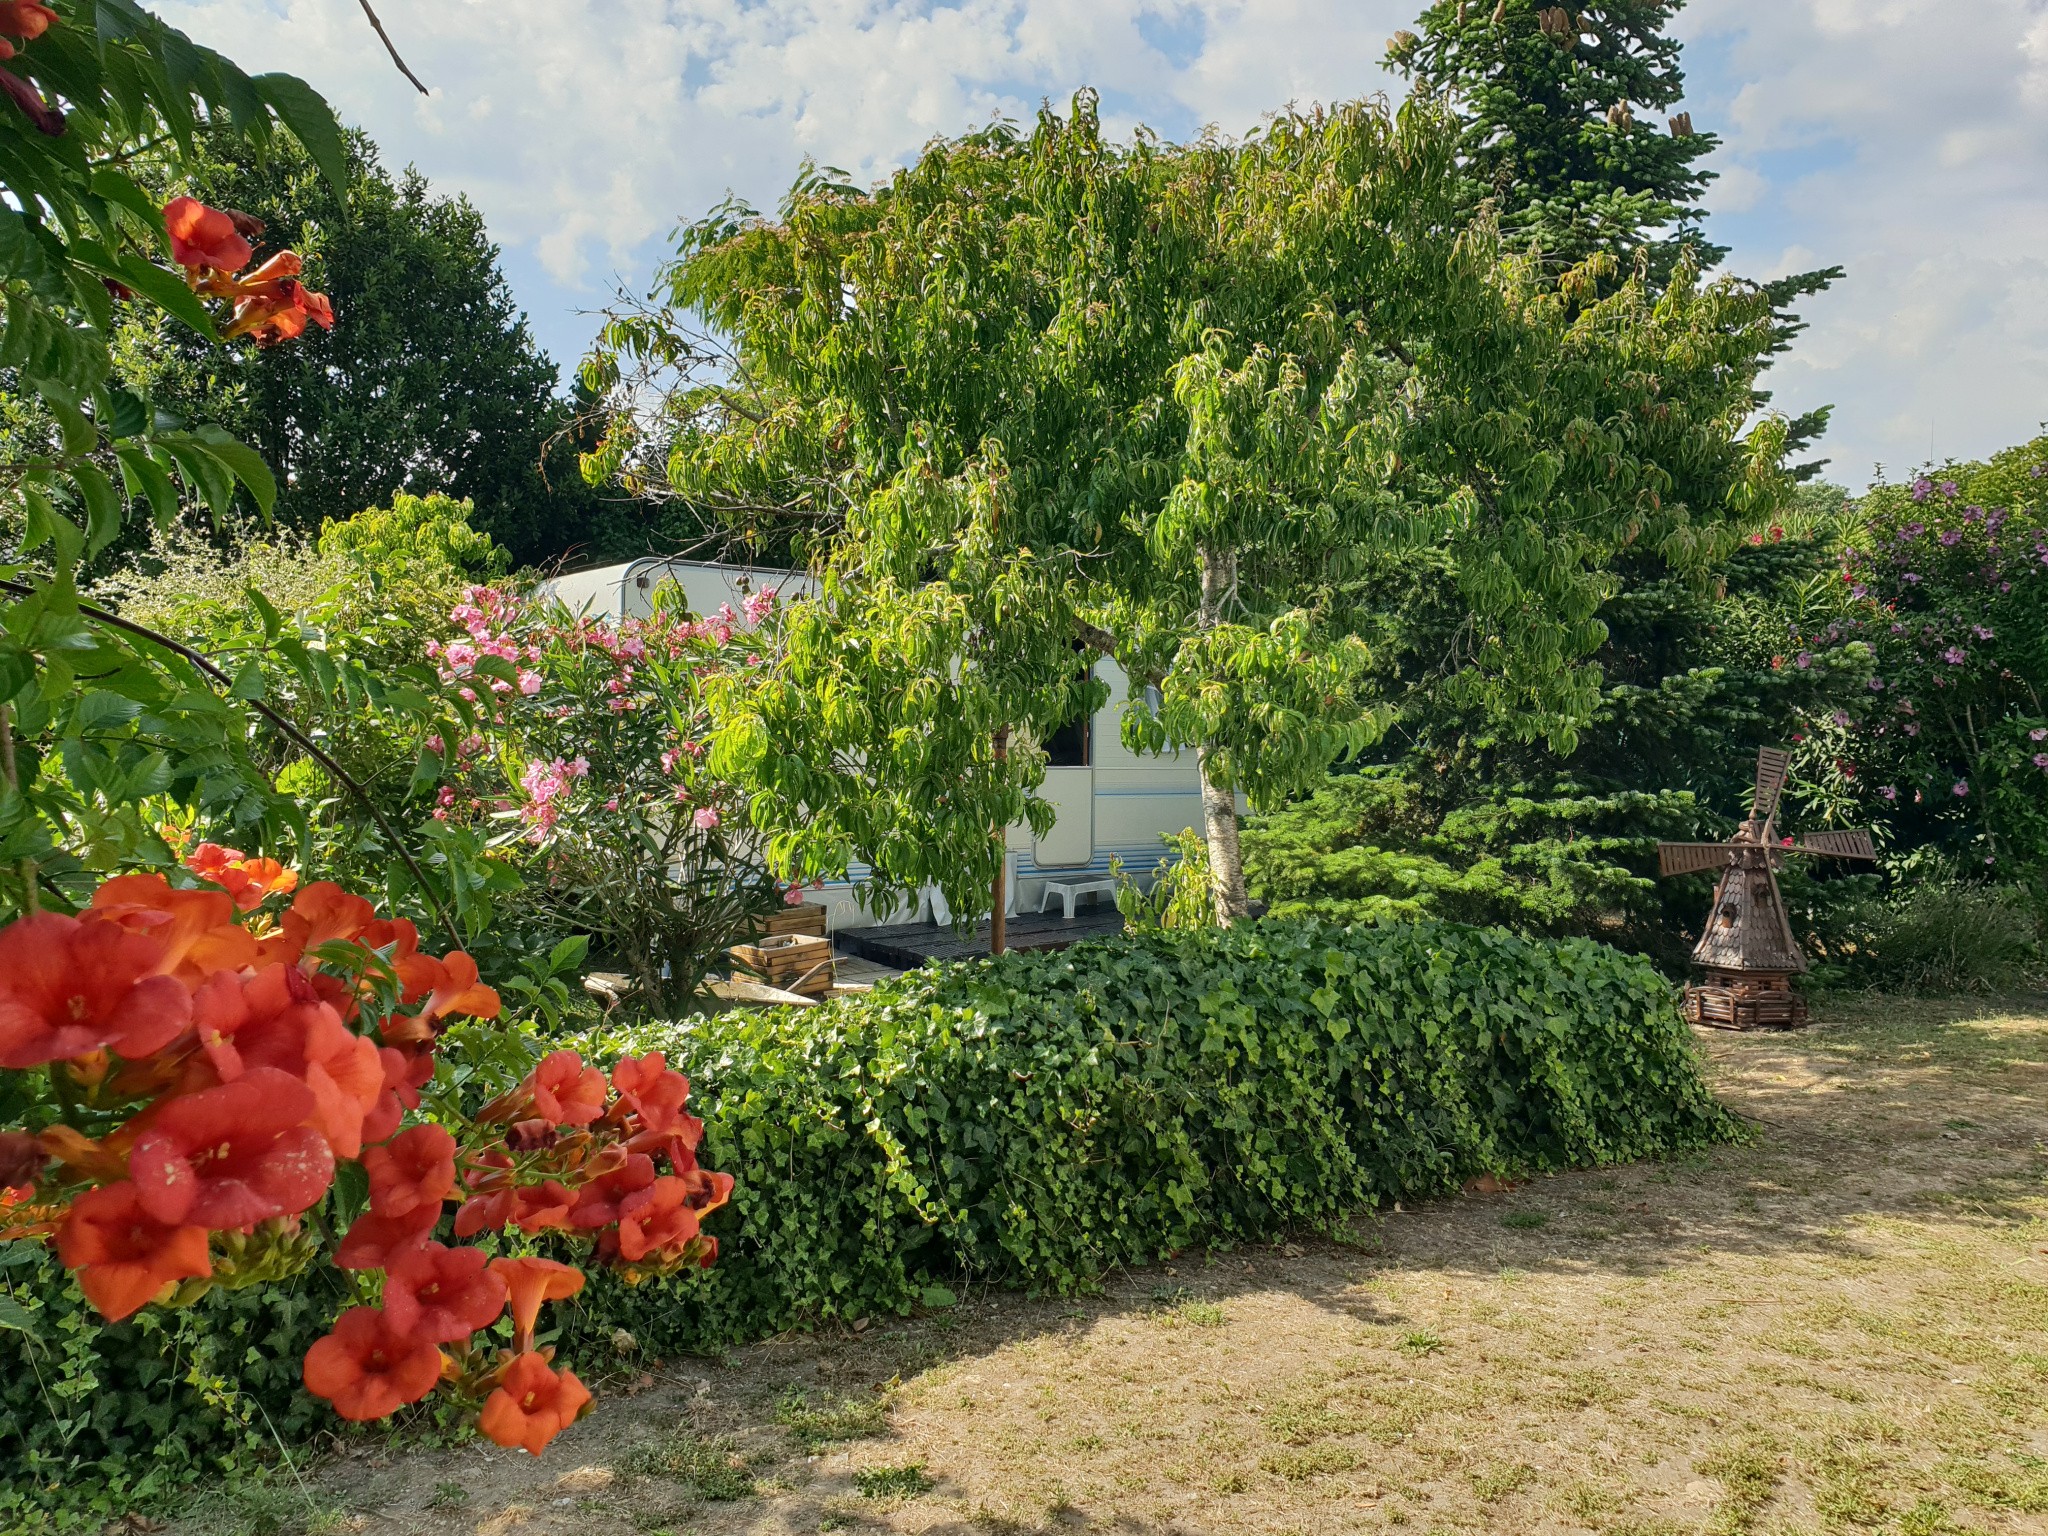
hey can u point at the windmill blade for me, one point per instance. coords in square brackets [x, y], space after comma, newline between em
[1837, 845]
[1772, 765]
[1685, 858]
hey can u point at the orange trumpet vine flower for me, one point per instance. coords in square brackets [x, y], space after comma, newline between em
[414, 1171]
[122, 1256]
[658, 1219]
[249, 881]
[25, 19]
[369, 1369]
[68, 987]
[653, 1092]
[450, 986]
[232, 1156]
[565, 1091]
[443, 1294]
[530, 1282]
[196, 928]
[532, 1405]
[203, 238]
[377, 1242]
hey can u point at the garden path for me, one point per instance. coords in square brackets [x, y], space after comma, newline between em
[1841, 1326]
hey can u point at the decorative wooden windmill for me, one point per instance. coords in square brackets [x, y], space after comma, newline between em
[1747, 949]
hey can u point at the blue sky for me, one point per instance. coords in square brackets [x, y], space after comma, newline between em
[1904, 139]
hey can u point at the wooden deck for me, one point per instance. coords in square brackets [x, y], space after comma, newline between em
[912, 944]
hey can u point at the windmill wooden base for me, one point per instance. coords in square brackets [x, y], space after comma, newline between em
[1745, 1000]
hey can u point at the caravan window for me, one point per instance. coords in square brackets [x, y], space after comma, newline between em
[1068, 747]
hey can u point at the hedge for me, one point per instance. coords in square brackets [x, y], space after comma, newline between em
[1031, 1121]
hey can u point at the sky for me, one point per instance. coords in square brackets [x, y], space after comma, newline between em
[1906, 140]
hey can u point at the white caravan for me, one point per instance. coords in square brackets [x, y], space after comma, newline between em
[1110, 802]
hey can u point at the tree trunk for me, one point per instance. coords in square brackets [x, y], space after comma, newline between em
[1219, 804]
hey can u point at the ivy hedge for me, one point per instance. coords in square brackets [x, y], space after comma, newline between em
[1031, 1121]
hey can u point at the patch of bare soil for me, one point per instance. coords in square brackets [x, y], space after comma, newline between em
[1841, 1326]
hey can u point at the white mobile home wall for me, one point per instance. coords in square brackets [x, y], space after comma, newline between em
[1117, 807]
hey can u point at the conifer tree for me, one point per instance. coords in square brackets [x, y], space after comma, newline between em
[1563, 126]
[1567, 131]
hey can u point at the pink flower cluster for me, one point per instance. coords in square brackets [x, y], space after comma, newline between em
[484, 615]
[545, 784]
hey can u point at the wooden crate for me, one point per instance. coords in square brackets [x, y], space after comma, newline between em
[795, 962]
[808, 918]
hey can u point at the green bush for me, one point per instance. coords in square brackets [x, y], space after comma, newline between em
[1937, 937]
[1031, 1121]
[1040, 1119]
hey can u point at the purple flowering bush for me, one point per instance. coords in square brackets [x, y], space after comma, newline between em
[1947, 579]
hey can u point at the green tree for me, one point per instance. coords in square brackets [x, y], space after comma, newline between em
[1550, 138]
[1549, 134]
[430, 381]
[1054, 398]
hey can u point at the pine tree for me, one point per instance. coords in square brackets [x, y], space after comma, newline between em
[1552, 138]
[1562, 138]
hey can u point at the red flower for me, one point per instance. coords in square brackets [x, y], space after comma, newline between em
[25, 19]
[249, 881]
[292, 1030]
[529, 1283]
[21, 1160]
[203, 237]
[443, 1294]
[124, 1257]
[657, 1219]
[597, 1203]
[707, 1190]
[449, 986]
[416, 1170]
[196, 928]
[232, 1156]
[68, 987]
[651, 1090]
[369, 1369]
[532, 1405]
[565, 1091]
[377, 1242]
[273, 305]
[322, 913]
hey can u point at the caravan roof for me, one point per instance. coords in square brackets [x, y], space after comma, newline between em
[627, 591]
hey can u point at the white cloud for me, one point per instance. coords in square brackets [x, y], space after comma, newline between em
[1906, 139]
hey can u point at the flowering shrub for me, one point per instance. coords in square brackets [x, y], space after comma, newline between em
[193, 1067]
[584, 743]
[1953, 596]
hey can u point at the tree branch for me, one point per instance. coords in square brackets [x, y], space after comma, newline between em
[391, 48]
[298, 737]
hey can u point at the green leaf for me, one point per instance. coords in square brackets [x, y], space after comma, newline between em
[165, 289]
[306, 113]
[102, 506]
[266, 611]
[249, 682]
[127, 413]
[146, 478]
[569, 954]
[246, 463]
[46, 525]
[15, 1317]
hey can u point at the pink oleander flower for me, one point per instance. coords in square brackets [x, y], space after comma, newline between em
[705, 819]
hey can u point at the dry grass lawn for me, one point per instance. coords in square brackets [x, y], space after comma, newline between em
[1840, 1327]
